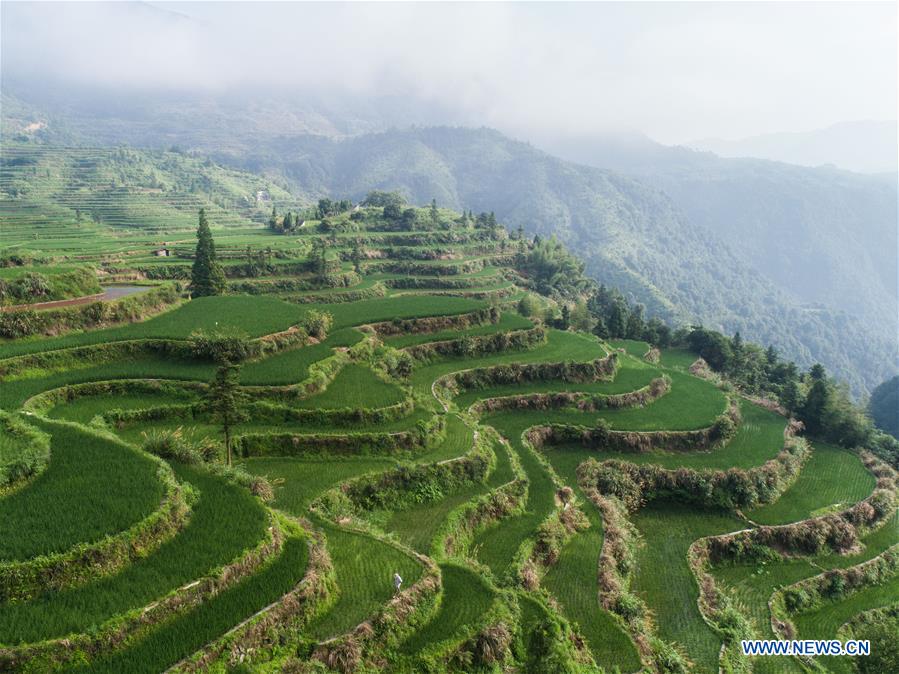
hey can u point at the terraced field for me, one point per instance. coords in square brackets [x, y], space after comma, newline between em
[363, 566]
[433, 432]
[466, 597]
[826, 620]
[664, 580]
[52, 515]
[751, 586]
[225, 521]
[834, 478]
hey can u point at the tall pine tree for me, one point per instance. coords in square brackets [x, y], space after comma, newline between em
[435, 214]
[813, 410]
[207, 276]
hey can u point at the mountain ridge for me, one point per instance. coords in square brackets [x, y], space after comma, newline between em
[642, 223]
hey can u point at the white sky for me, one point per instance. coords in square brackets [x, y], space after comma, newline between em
[676, 71]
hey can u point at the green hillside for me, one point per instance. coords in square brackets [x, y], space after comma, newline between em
[438, 464]
[795, 256]
[73, 193]
[669, 240]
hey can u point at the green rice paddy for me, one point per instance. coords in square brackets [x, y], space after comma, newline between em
[497, 545]
[292, 366]
[356, 387]
[193, 629]
[416, 526]
[508, 322]
[663, 578]
[466, 598]
[224, 523]
[832, 479]
[826, 620]
[52, 513]
[364, 568]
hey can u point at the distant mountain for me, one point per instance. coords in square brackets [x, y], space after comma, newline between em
[824, 236]
[866, 147]
[801, 258]
[790, 256]
[93, 116]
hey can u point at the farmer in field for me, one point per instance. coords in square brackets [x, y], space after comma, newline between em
[397, 583]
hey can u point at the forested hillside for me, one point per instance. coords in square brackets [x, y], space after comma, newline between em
[786, 255]
[824, 235]
[682, 265]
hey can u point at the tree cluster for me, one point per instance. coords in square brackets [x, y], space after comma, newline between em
[615, 318]
[552, 269]
[821, 403]
[824, 405]
[380, 199]
[284, 225]
[884, 406]
[329, 207]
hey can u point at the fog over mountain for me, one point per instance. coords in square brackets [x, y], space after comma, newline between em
[332, 100]
[867, 146]
[533, 70]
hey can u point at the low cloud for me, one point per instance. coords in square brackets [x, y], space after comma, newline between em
[674, 71]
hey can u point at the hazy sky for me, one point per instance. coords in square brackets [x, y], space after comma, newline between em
[676, 71]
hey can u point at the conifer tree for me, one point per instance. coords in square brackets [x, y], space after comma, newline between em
[789, 396]
[616, 322]
[357, 257]
[435, 214]
[520, 255]
[566, 317]
[225, 402]
[207, 276]
[813, 410]
[635, 325]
